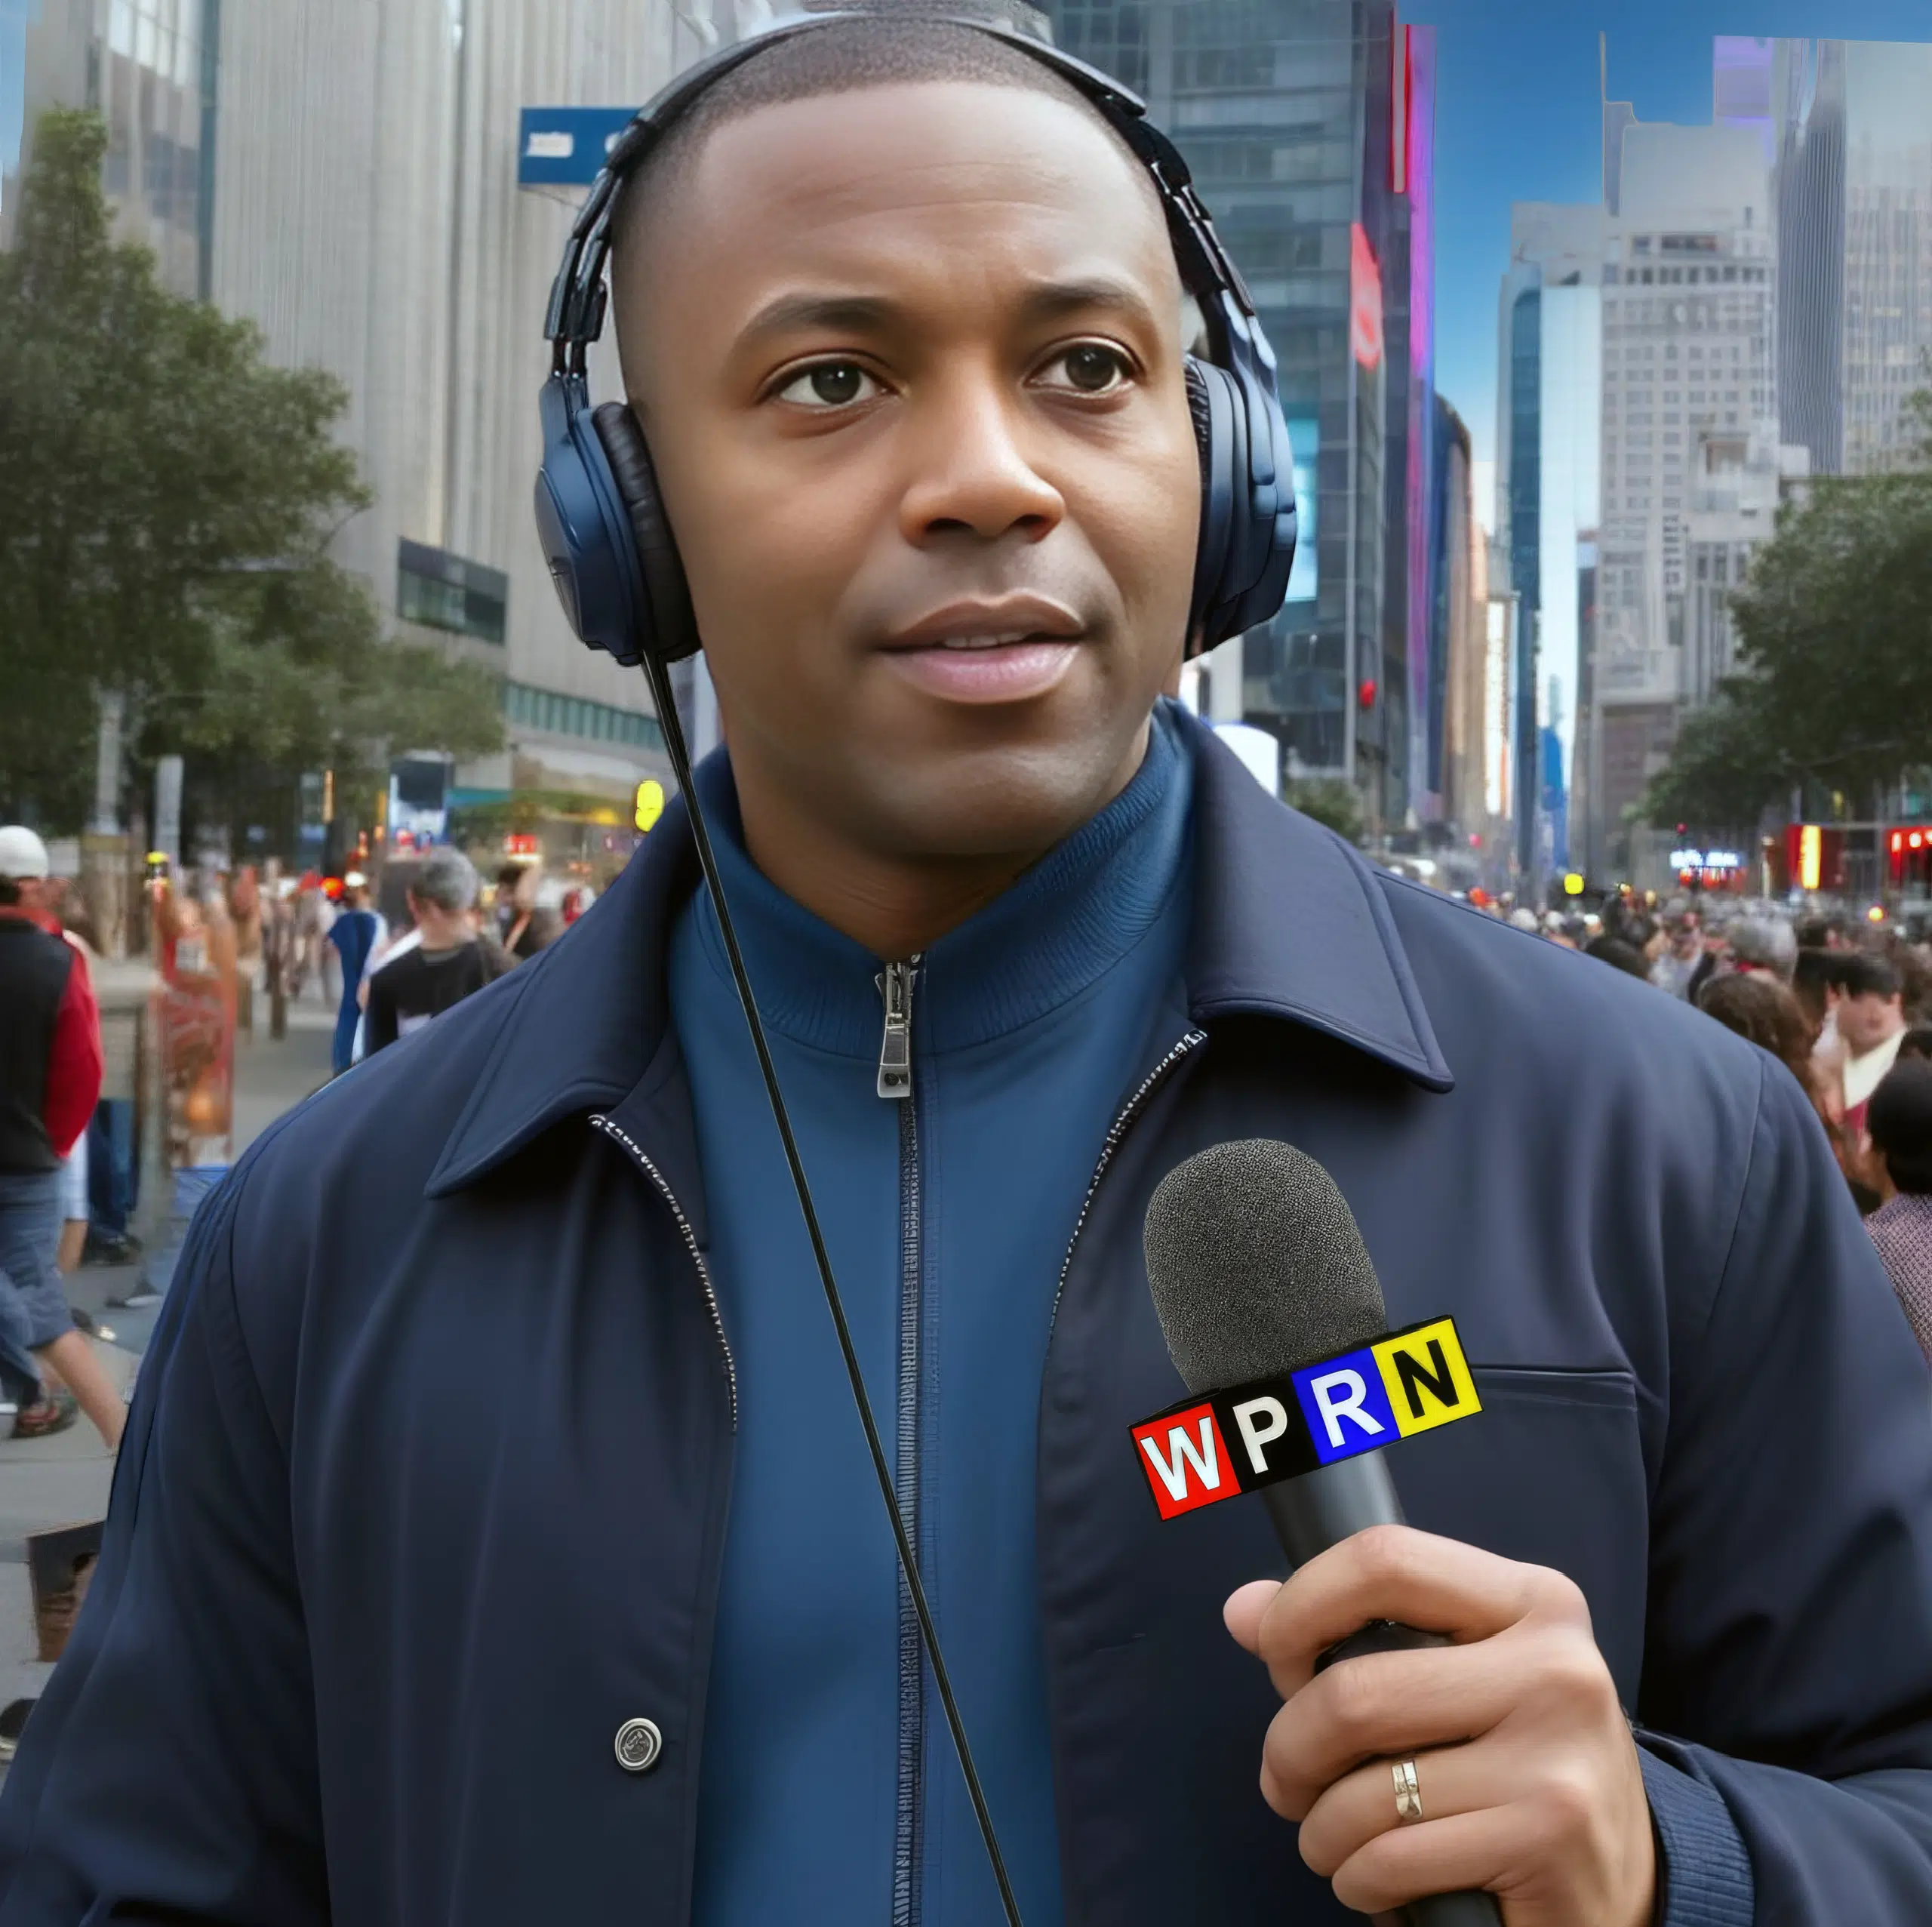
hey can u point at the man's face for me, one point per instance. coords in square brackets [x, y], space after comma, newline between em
[910, 366]
[1866, 1020]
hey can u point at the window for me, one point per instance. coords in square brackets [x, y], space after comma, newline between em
[572, 715]
[446, 591]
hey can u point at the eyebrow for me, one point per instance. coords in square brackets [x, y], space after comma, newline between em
[869, 314]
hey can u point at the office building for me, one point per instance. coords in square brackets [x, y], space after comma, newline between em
[1689, 398]
[1549, 389]
[1846, 127]
[351, 184]
[1309, 126]
[149, 67]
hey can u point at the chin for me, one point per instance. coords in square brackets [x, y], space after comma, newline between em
[994, 802]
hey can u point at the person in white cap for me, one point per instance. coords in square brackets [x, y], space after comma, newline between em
[49, 1082]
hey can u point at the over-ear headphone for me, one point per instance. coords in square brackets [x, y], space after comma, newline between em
[599, 517]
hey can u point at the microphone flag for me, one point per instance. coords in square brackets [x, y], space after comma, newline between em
[1207, 1449]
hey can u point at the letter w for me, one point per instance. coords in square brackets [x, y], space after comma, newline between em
[1180, 1444]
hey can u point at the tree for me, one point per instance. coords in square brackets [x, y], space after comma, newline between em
[167, 502]
[1834, 632]
[1332, 800]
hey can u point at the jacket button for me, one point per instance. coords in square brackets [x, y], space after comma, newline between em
[638, 1744]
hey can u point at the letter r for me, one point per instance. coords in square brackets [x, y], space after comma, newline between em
[1339, 1395]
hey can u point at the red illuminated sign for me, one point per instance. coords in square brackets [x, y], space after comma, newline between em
[1364, 299]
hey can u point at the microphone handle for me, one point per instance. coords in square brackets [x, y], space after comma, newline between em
[1319, 1509]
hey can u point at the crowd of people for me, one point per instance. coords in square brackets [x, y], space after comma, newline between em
[1845, 1006]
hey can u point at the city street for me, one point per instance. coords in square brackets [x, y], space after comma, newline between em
[65, 1480]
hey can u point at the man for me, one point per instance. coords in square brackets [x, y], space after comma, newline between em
[1764, 946]
[51, 1067]
[1871, 1022]
[445, 965]
[1672, 969]
[371, 1641]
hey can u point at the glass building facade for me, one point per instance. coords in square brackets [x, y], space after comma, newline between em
[1306, 123]
[149, 67]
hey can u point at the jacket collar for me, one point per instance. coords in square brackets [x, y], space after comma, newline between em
[1289, 922]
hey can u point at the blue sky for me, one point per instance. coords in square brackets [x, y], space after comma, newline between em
[1516, 120]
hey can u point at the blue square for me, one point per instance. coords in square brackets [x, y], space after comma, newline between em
[1346, 1406]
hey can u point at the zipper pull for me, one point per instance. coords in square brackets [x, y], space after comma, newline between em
[895, 1050]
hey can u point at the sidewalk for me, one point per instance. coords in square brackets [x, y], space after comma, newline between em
[65, 1480]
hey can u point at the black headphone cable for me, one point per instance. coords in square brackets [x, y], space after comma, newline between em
[657, 673]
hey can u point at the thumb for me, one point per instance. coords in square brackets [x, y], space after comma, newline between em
[1245, 1607]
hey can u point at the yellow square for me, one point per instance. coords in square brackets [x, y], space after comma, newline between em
[1427, 1378]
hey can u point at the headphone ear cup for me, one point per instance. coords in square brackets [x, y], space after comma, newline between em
[1222, 445]
[672, 624]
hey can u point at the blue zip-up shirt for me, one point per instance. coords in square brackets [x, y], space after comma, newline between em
[827, 1769]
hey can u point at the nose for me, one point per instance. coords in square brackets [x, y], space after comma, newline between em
[971, 475]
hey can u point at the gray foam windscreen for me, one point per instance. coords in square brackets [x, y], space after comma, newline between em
[1257, 1264]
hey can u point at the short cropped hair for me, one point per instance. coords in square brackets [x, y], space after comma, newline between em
[881, 45]
[447, 880]
[1863, 975]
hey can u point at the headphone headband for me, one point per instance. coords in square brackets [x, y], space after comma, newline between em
[580, 297]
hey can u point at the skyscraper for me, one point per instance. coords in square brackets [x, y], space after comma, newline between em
[1550, 333]
[1847, 128]
[1308, 124]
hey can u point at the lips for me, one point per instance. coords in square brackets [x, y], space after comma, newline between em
[1007, 649]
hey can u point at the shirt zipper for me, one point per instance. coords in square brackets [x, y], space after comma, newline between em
[895, 1084]
[620, 1135]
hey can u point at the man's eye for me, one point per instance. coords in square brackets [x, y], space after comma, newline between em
[830, 385]
[1090, 368]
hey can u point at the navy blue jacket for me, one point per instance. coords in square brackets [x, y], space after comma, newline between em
[423, 1495]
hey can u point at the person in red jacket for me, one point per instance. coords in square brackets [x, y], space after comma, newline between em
[49, 1082]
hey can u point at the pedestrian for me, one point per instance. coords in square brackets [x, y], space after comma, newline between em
[502, 1546]
[1814, 983]
[524, 927]
[1871, 1024]
[50, 1082]
[1677, 957]
[1620, 954]
[447, 963]
[1763, 946]
[1900, 1119]
[356, 932]
[1754, 1005]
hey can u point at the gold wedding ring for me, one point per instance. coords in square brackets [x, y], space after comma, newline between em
[1408, 1794]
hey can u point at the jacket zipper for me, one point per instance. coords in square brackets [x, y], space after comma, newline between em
[895, 1084]
[656, 1176]
[1116, 1131]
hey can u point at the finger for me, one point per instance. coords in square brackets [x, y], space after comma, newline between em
[1414, 1578]
[1245, 1606]
[1388, 1706]
[1466, 1852]
[1449, 1780]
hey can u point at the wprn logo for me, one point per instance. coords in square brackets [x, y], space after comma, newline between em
[1411, 1381]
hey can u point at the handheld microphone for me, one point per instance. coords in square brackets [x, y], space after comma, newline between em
[1257, 1267]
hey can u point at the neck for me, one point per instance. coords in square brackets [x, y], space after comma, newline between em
[896, 905]
[441, 930]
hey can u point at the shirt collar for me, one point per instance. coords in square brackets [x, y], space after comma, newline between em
[1289, 922]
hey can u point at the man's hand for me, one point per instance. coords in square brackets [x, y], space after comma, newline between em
[1528, 1776]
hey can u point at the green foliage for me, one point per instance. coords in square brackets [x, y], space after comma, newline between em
[167, 500]
[1835, 648]
[1332, 800]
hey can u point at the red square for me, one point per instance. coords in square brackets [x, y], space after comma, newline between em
[1184, 1460]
